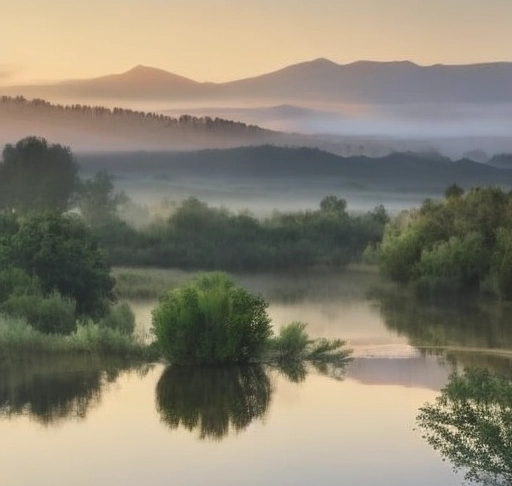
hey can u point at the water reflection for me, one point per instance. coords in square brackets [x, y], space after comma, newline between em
[470, 424]
[454, 328]
[214, 400]
[294, 371]
[54, 390]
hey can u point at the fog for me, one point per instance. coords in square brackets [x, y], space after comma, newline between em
[452, 129]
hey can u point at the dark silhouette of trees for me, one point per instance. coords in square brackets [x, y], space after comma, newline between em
[37, 175]
[126, 118]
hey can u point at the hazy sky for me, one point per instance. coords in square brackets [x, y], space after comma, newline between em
[221, 40]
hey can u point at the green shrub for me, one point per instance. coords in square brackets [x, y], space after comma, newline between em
[19, 340]
[54, 314]
[291, 342]
[211, 321]
[120, 318]
[293, 345]
[15, 281]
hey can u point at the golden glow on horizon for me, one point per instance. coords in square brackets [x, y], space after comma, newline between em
[223, 40]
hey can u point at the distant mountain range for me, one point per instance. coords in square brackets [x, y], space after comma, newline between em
[398, 172]
[314, 82]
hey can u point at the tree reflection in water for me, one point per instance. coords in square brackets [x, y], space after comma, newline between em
[54, 390]
[470, 424]
[215, 400]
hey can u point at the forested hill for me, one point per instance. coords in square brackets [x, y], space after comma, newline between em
[99, 128]
[398, 171]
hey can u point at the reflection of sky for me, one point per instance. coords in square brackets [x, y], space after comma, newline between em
[358, 431]
[322, 432]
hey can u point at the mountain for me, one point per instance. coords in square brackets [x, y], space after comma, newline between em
[139, 82]
[317, 81]
[404, 172]
[381, 82]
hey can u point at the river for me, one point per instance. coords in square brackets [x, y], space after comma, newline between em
[86, 422]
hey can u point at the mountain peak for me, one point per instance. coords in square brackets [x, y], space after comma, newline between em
[147, 75]
[323, 61]
[140, 68]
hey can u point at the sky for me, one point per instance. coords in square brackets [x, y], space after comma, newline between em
[222, 40]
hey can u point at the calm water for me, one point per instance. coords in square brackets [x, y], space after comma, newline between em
[82, 423]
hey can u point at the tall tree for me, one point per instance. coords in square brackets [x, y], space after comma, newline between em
[62, 253]
[37, 175]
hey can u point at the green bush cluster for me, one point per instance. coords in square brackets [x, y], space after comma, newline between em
[197, 236]
[119, 318]
[458, 245]
[210, 320]
[53, 274]
[52, 314]
[18, 340]
[57, 252]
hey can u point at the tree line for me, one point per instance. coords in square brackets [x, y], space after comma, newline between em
[151, 119]
[461, 244]
[59, 236]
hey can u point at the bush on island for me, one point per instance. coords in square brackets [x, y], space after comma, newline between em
[211, 321]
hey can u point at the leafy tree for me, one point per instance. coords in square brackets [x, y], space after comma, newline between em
[211, 321]
[97, 201]
[453, 191]
[470, 424]
[120, 317]
[61, 253]
[333, 204]
[36, 175]
[502, 261]
[456, 244]
[52, 314]
[399, 254]
[465, 260]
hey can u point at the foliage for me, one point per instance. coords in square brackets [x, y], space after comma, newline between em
[211, 321]
[61, 253]
[452, 245]
[19, 340]
[453, 190]
[293, 344]
[120, 317]
[35, 175]
[470, 424]
[214, 400]
[53, 314]
[199, 236]
[15, 281]
[502, 260]
[97, 201]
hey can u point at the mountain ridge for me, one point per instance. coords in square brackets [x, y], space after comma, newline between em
[318, 80]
